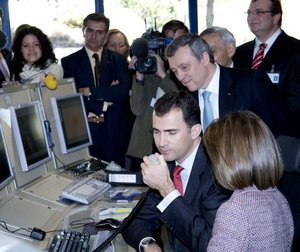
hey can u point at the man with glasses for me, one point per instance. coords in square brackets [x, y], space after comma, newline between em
[101, 76]
[280, 57]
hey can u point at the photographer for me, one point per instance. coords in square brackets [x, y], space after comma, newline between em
[146, 89]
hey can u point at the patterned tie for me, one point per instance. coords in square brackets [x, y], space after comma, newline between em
[259, 56]
[208, 114]
[97, 69]
[177, 178]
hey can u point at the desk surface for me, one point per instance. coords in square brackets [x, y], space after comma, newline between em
[30, 208]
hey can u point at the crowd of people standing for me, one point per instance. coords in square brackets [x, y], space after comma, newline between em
[210, 108]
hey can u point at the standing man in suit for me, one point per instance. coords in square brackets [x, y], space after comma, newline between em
[230, 89]
[5, 55]
[105, 89]
[188, 215]
[281, 57]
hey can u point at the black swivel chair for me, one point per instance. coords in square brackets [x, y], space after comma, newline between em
[290, 182]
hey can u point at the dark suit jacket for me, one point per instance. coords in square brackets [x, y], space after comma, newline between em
[244, 89]
[284, 58]
[189, 218]
[7, 54]
[115, 131]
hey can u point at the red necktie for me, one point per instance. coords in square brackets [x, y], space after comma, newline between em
[177, 178]
[259, 56]
[97, 69]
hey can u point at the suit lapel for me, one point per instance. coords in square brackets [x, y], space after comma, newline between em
[199, 166]
[225, 91]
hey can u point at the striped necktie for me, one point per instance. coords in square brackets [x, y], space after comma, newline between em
[259, 56]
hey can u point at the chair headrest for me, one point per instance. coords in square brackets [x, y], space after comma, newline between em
[290, 150]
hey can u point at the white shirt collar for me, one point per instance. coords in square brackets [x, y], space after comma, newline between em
[189, 161]
[213, 85]
[269, 42]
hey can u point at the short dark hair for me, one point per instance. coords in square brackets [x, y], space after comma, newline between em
[243, 151]
[97, 17]
[182, 100]
[174, 25]
[197, 45]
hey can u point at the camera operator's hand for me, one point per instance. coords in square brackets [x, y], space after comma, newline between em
[131, 64]
[161, 72]
[139, 76]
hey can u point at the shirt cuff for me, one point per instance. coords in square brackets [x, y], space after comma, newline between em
[168, 200]
[142, 242]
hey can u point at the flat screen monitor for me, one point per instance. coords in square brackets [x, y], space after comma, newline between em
[5, 165]
[71, 122]
[29, 135]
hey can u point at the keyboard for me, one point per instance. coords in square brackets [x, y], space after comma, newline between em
[68, 240]
[84, 168]
[85, 190]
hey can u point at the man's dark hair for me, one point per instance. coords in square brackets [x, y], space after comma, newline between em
[97, 17]
[174, 25]
[181, 100]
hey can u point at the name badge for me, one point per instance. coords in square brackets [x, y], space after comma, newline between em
[274, 77]
[152, 103]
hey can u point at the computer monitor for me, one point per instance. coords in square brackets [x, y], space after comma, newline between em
[29, 135]
[6, 174]
[71, 122]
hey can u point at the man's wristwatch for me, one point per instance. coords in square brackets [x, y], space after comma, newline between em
[145, 242]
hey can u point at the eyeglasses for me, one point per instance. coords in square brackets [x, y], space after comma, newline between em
[257, 13]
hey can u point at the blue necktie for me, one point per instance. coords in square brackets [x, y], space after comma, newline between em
[208, 114]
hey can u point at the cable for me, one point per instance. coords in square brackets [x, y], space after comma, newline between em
[4, 225]
[124, 223]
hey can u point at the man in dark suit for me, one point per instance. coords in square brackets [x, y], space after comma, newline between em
[281, 58]
[192, 61]
[104, 95]
[188, 216]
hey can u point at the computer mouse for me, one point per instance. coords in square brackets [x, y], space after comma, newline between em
[108, 223]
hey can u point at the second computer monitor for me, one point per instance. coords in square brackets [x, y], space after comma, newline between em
[71, 122]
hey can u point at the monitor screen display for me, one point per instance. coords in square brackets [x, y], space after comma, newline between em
[29, 135]
[71, 122]
[5, 165]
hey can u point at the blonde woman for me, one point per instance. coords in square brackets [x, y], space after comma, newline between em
[247, 160]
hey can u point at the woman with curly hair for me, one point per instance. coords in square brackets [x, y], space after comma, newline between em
[33, 56]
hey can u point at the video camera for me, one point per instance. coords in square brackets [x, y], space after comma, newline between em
[150, 41]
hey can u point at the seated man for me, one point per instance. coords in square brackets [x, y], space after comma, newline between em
[187, 209]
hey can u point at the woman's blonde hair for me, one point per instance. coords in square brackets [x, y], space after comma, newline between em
[243, 151]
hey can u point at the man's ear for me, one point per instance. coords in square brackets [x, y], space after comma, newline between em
[196, 131]
[231, 50]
